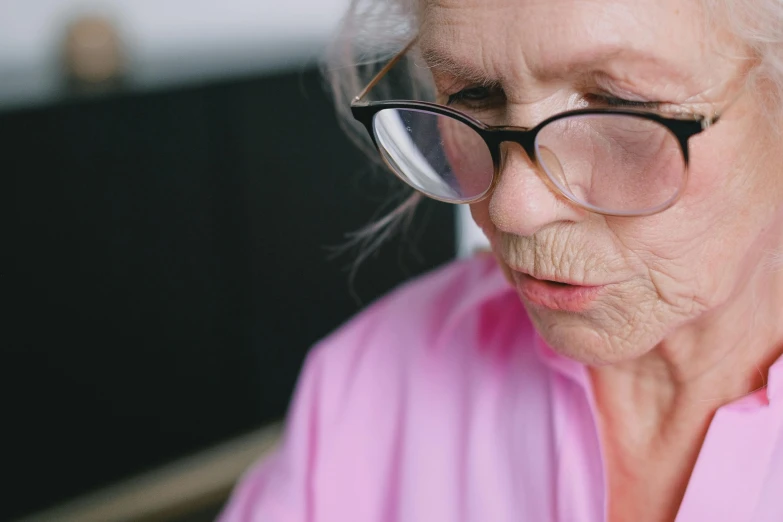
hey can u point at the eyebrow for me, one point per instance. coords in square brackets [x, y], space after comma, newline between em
[583, 68]
[445, 64]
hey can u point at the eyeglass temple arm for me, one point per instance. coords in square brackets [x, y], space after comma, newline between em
[716, 115]
[397, 57]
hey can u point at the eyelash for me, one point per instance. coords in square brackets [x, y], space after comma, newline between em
[473, 96]
[613, 101]
[480, 96]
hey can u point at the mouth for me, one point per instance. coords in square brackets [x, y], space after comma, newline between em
[555, 295]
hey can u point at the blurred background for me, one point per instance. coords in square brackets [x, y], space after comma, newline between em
[177, 182]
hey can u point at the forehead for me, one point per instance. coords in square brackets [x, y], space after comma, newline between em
[519, 40]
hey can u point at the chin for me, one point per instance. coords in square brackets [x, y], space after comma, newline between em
[578, 338]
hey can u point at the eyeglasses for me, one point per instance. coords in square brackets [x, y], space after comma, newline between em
[612, 161]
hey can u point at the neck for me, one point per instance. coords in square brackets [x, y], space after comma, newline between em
[716, 359]
[655, 410]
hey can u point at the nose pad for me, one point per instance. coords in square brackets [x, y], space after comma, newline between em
[551, 170]
[576, 185]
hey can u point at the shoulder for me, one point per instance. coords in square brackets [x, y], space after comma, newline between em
[410, 371]
[442, 319]
[424, 307]
[418, 314]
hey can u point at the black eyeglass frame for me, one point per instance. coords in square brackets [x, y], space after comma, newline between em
[681, 127]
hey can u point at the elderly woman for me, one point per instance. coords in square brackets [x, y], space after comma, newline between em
[618, 357]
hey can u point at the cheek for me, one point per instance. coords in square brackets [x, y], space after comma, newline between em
[698, 252]
[728, 174]
[716, 197]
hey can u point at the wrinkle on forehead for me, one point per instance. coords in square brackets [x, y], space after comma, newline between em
[516, 41]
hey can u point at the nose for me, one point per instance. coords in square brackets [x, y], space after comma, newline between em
[522, 202]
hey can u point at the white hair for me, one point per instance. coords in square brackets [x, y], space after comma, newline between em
[759, 25]
[370, 33]
[374, 30]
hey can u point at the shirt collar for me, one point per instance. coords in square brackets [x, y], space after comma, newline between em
[775, 380]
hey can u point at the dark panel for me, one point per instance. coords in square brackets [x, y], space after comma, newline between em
[168, 269]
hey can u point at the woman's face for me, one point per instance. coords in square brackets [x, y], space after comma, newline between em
[516, 62]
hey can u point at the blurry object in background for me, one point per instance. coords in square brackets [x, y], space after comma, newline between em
[94, 57]
[169, 271]
[165, 44]
[189, 490]
[162, 301]
[470, 238]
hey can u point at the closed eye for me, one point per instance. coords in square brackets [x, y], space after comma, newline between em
[476, 97]
[613, 101]
[481, 96]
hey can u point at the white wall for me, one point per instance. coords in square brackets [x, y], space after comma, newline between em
[169, 41]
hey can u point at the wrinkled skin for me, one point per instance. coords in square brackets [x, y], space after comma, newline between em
[691, 310]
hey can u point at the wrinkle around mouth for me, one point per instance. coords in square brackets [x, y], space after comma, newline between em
[559, 261]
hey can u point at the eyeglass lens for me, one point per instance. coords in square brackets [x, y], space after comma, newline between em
[608, 162]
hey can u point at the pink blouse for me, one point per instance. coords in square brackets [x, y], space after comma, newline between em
[440, 403]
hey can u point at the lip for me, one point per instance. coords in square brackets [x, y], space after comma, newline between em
[555, 295]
